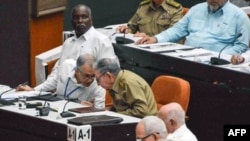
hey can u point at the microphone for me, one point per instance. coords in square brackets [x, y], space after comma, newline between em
[218, 60]
[123, 40]
[65, 113]
[3, 101]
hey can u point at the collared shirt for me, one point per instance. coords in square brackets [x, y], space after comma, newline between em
[151, 20]
[212, 30]
[132, 95]
[67, 86]
[182, 134]
[92, 42]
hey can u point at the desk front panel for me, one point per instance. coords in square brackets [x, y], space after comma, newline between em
[15, 126]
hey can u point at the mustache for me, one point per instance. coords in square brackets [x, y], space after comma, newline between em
[80, 25]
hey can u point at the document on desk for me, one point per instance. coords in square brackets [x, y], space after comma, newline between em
[194, 52]
[245, 67]
[13, 94]
[4, 88]
[191, 53]
[163, 47]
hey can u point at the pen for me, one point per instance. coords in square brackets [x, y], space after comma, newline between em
[24, 83]
[108, 28]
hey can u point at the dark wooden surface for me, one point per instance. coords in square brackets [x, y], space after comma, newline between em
[14, 126]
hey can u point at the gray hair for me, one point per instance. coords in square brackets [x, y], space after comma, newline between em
[81, 5]
[85, 59]
[107, 65]
[154, 124]
[176, 112]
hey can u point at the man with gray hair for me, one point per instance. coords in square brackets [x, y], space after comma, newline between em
[151, 128]
[174, 117]
[131, 94]
[76, 79]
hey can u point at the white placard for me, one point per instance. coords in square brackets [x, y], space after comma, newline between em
[79, 133]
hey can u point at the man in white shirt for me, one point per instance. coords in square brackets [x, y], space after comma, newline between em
[76, 80]
[174, 117]
[151, 128]
[86, 39]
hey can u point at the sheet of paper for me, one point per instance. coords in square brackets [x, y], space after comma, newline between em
[162, 47]
[193, 53]
[4, 88]
[13, 94]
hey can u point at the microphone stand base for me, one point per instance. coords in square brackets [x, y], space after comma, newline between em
[218, 61]
[67, 114]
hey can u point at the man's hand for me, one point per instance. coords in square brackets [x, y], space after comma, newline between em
[122, 29]
[146, 40]
[237, 59]
[24, 88]
[88, 103]
[140, 34]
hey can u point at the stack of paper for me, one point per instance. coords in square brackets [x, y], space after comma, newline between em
[13, 94]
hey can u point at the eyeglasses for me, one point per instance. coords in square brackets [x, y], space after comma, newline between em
[86, 76]
[143, 138]
[98, 78]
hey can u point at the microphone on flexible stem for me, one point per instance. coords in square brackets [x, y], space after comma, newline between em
[65, 113]
[123, 40]
[6, 102]
[218, 60]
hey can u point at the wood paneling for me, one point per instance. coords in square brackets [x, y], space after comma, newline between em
[45, 34]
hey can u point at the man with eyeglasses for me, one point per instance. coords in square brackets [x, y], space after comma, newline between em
[75, 80]
[151, 128]
[131, 94]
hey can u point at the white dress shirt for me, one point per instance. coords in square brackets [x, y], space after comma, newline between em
[92, 42]
[67, 87]
[182, 134]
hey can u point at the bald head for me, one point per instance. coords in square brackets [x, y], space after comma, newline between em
[173, 115]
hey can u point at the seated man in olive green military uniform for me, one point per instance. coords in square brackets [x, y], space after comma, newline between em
[130, 93]
[152, 17]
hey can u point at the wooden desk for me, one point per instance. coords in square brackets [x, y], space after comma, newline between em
[16, 126]
[211, 106]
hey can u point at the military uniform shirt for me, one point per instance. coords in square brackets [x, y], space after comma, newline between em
[132, 95]
[151, 20]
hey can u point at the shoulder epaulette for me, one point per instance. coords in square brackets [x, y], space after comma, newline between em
[173, 3]
[145, 2]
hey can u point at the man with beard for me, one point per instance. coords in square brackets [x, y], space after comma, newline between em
[85, 40]
[76, 80]
[211, 25]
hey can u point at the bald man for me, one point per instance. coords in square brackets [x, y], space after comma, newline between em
[173, 116]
